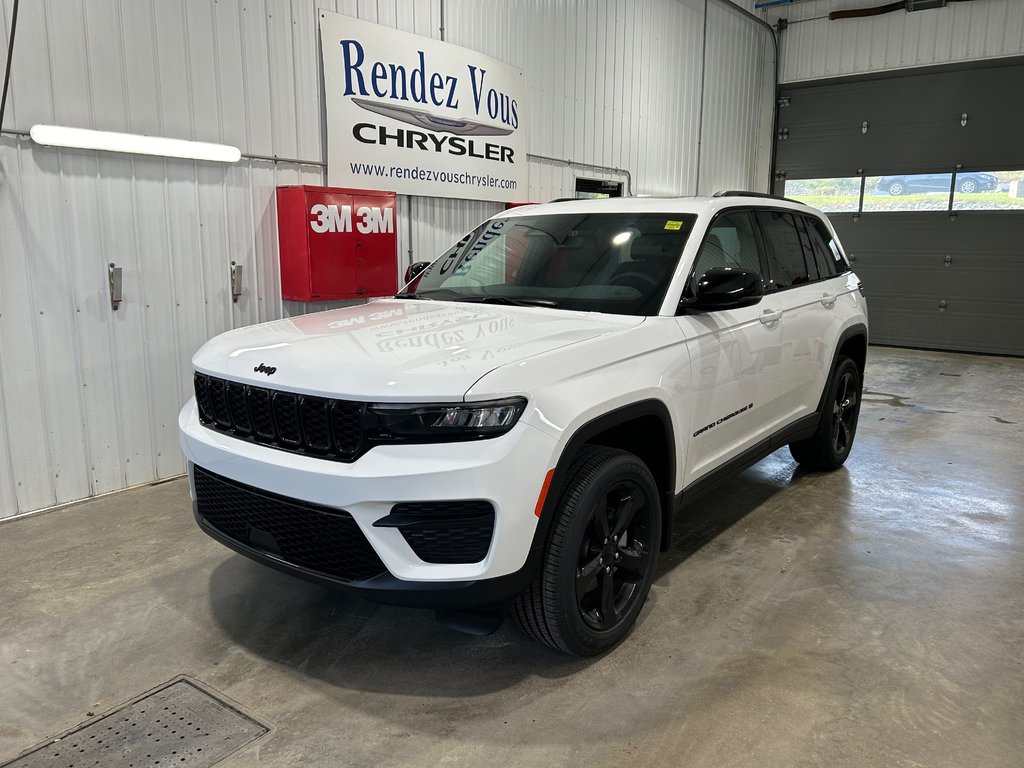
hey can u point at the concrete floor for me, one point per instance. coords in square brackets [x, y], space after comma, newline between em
[874, 616]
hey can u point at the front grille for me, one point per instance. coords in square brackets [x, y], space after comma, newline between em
[310, 536]
[318, 426]
[446, 531]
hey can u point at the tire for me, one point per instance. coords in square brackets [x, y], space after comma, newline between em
[896, 188]
[829, 447]
[592, 585]
[968, 186]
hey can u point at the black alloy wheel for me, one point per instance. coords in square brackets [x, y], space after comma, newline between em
[844, 413]
[599, 559]
[829, 447]
[614, 556]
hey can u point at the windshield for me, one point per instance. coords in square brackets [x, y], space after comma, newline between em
[619, 263]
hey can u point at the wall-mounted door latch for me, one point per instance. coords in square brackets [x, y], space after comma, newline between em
[949, 259]
[114, 280]
[236, 281]
[864, 127]
[784, 133]
[942, 306]
[963, 119]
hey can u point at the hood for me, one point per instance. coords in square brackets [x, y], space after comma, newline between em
[396, 350]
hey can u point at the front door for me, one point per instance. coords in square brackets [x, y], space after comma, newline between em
[735, 354]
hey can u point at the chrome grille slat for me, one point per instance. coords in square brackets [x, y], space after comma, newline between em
[288, 421]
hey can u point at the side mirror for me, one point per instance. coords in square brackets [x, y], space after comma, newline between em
[725, 288]
[414, 269]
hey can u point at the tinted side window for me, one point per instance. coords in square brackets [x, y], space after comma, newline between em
[786, 263]
[730, 243]
[813, 272]
[822, 254]
[836, 257]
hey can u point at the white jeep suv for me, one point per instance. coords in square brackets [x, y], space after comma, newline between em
[517, 427]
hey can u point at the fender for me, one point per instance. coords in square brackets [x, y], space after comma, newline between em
[857, 329]
[584, 435]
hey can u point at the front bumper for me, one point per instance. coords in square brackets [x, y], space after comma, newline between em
[507, 471]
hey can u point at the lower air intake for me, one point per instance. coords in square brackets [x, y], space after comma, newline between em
[314, 538]
[446, 531]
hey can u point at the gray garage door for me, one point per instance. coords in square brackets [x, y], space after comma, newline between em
[922, 173]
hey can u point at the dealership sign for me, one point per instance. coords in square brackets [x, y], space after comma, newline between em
[417, 116]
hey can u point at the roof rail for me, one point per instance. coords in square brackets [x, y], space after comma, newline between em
[742, 193]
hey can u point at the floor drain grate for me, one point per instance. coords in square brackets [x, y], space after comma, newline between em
[177, 726]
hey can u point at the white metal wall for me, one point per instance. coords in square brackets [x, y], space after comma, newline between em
[736, 130]
[89, 397]
[611, 83]
[814, 47]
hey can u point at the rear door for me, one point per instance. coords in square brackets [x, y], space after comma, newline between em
[805, 281]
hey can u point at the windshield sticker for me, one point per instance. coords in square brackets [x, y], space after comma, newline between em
[673, 225]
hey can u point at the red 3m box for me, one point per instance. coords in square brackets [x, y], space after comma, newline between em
[336, 243]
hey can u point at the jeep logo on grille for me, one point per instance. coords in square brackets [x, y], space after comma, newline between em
[267, 369]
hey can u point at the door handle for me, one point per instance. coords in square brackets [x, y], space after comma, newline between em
[828, 300]
[768, 317]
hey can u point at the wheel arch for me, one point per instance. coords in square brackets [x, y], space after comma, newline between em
[852, 343]
[643, 428]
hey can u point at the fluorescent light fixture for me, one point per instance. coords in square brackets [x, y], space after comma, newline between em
[83, 138]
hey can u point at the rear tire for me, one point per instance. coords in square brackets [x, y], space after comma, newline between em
[829, 447]
[896, 188]
[600, 556]
[968, 186]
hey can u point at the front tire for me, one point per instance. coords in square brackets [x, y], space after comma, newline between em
[829, 447]
[599, 562]
[896, 188]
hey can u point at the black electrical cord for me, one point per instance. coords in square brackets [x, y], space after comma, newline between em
[10, 58]
[863, 13]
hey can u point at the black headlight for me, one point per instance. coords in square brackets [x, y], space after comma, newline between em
[447, 421]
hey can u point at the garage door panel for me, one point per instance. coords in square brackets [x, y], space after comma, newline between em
[934, 278]
[901, 321]
[913, 122]
[994, 327]
[967, 277]
[975, 303]
[900, 274]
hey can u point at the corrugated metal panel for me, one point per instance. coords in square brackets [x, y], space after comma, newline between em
[631, 91]
[814, 47]
[88, 396]
[735, 138]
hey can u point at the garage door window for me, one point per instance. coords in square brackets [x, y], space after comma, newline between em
[840, 195]
[989, 191]
[907, 192]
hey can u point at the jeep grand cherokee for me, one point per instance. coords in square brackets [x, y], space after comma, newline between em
[514, 431]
